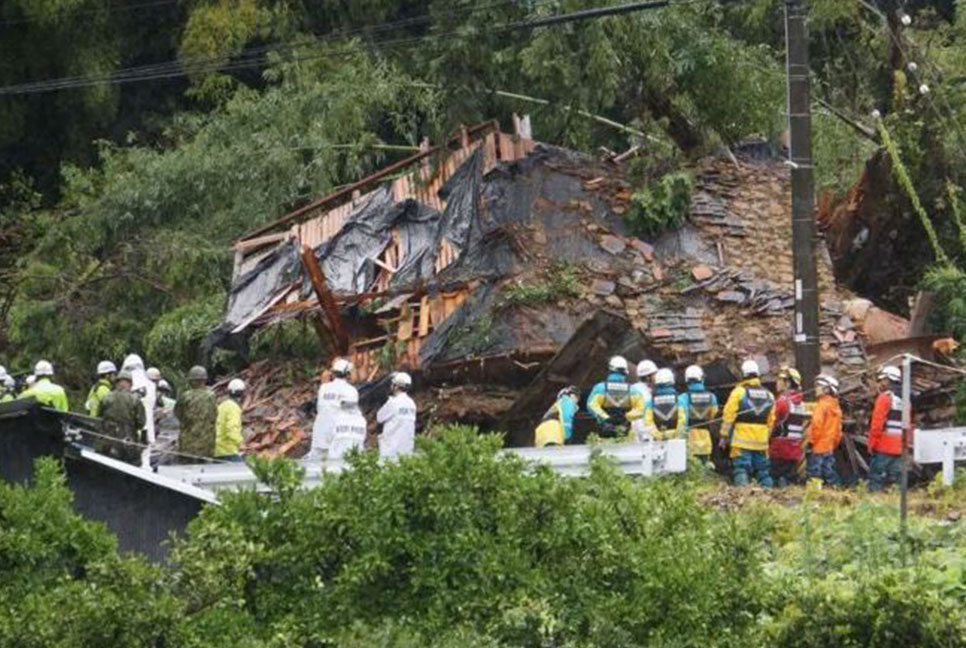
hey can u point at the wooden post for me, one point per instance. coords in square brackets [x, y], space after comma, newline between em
[329, 308]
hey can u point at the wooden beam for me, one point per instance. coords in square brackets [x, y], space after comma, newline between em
[348, 190]
[326, 301]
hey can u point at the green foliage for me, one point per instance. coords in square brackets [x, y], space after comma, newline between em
[463, 546]
[61, 580]
[562, 282]
[288, 340]
[661, 205]
[473, 337]
[949, 284]
[173, 340]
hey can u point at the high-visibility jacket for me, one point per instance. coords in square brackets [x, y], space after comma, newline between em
[47, 393]
[558, 423]
[748, 417]
[615, 399]
[885, 429]
[664, 416]
[791, 417]
[100, 389]
[700, 407]
[825, 431]
[228, 428]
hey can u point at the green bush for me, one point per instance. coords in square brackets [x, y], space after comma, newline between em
[661, 205]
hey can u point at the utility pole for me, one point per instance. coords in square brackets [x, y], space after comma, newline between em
[803, 193]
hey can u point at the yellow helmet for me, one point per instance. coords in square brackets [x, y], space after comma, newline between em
[791, 373]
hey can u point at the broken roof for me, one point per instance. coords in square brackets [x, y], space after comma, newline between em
[481, 264]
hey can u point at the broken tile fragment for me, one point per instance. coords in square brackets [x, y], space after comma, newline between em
[660, 332]
[613, 301]
[646, 249]
[657, 272]
[731, 296]
[612, 244]
[701, 272]
[603, 287]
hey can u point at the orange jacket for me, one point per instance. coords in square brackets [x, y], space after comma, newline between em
[825, 431]
[885, 430]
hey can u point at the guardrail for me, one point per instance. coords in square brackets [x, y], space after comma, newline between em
[945, 446]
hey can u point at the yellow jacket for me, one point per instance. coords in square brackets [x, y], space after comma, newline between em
[748, 417]
[48, 394]
[615, 394]
[659, 432]
[228, 428]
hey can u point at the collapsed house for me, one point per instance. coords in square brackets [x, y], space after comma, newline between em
[498, 269]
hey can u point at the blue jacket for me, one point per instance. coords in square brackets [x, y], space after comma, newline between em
[627, 399]
[684, 400]
[565, 409]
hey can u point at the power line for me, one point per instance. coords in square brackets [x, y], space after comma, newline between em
[88, 12]
[252, 57]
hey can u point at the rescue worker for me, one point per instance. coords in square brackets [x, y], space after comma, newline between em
[143, 386]
[885, 430]
[228, 425]
[613, 404]
[349, 429]
[645, 371]
[700, 407]
[328, 404]
[824, 432]
[165, 394]
[663, 414]
[154, 375]
[748, 417]
[558, 422]
[197, 413]
[103, 387]
[28, 382]
[6, 386]
[791, 416]
[397, 418]
[122, 417]
[44, 390]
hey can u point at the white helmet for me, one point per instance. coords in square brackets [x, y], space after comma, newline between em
[664, 377]
[694, 372]
[617, 363]
[645, 368]
[891, 373]
[105, 367]
[828, 381]
[236, 385]
[750, 368]
[9, 382]
[341, 366]
[30, 380]
[153, 374]
[43, 368]
[402, 379]
[164, 385]
[132, 362]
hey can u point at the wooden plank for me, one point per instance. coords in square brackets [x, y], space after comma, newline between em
[251, 244]
[326, 301]
[424, 317]
[405, 330]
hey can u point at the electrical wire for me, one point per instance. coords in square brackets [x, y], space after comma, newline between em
[251, 57]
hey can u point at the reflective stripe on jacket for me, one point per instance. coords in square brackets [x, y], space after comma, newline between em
[748, 416]
[700, 407]
[664, 415]
[885, 430]
[615, 398]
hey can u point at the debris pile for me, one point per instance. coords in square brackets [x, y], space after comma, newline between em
[506, 270]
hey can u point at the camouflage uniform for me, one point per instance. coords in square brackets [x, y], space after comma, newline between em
[197, 412]
[123, 418]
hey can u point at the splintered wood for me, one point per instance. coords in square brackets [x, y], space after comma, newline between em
[274, 420]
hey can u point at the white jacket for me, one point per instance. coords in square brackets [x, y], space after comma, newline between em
[398, 420]
[331, 395]
[348, 432]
